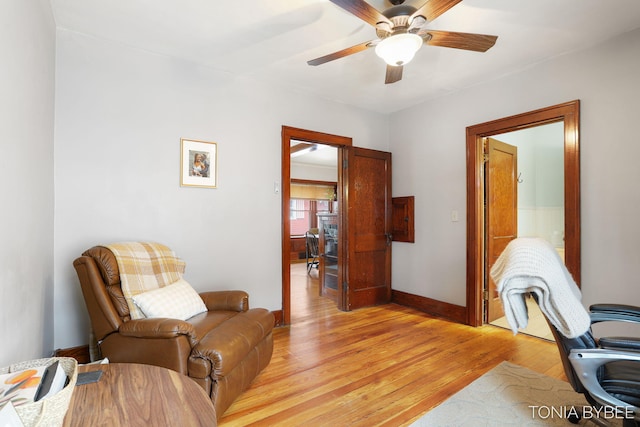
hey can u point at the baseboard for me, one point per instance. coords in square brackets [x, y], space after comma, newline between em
[80, 353]
[452, 312]
[279, 317]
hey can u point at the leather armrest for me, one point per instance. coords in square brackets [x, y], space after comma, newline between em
[620, 343]
[614, 312]
[158, 328]
[226, 300]
[227, 345]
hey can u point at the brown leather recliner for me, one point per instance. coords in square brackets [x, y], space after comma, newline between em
[223, 349]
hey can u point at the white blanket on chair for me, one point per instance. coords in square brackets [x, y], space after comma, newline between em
[532, 265]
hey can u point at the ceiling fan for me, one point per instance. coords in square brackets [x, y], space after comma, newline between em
[401, 31]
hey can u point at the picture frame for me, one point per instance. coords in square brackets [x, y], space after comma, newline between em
[198, 163]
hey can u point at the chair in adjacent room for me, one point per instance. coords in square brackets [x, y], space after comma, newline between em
[605, 370]
[311, 239]
[143, 311]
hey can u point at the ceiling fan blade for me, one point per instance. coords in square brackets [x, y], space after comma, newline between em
[394, 74]
[301, 147]
[341, 53]
[434, 8]
[363, 10]
[466, 41]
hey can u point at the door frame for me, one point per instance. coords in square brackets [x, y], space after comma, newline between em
[289, 133]
[569, 114]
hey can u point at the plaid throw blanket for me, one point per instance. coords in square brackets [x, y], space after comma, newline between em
[145, 266]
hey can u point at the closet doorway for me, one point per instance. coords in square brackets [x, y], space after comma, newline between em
[524, 197]
[569, 115]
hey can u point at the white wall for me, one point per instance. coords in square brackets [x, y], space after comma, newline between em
[27, 48]
[540, 181]
[432, 155]
[120, 114]
[314, 172]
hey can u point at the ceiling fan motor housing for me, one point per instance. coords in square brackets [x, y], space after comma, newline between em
[399, 17]
[399, 11]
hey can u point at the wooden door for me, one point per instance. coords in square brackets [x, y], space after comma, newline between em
[367, 195]
[501, 204]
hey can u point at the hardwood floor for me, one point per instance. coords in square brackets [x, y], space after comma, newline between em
[537, 325]
[378, 366]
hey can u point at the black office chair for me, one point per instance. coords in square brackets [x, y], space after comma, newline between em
[605, 370]
[311, 250]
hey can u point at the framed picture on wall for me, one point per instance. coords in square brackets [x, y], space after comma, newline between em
[198, 163]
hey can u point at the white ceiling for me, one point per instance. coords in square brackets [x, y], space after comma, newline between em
[271, 40]
[323, 155]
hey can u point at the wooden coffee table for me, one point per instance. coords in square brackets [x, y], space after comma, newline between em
[139, 395]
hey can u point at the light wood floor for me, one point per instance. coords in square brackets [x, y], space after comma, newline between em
[536, 326]
[379, 366]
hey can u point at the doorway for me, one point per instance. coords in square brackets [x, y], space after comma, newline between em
[568, 115]
[525, 198]
[314, 213]
[363, 221]
[295, 134]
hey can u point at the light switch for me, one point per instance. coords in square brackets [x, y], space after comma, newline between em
[276, 187]
[454, 216]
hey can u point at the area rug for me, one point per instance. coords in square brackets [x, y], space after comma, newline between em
[509, 395]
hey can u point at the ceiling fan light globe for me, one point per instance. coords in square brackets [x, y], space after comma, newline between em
[399, 49]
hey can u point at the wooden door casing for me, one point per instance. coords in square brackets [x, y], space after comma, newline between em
[567, 113]
[367, 195]
[501, 184]
[288, 134]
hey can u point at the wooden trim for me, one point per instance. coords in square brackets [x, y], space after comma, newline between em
[289, 133]
[452, 312]
[313, 182]
[279, 318]
[569, 114]
[80, 353]
[313, 136]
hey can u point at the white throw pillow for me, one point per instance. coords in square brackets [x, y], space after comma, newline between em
[175, 301]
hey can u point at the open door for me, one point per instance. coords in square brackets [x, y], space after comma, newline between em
[363, 221]
[501, 185]
[367, 196]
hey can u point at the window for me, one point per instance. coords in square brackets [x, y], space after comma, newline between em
[299, 208]
[303, 214]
